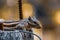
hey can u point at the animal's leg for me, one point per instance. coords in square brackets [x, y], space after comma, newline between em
[29, 36]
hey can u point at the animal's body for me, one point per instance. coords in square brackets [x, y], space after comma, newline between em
[26, 25]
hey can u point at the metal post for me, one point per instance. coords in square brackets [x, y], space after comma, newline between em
[20, 9]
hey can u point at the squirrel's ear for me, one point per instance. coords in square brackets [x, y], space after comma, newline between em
[29, 18]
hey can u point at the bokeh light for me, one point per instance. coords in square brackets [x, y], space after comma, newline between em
[57, 17]
[27, 10]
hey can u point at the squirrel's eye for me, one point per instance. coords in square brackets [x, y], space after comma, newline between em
[35, 22]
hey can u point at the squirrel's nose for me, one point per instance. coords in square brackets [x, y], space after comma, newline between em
[39, 25]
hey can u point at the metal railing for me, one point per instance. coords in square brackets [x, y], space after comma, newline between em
[19, 31]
